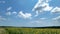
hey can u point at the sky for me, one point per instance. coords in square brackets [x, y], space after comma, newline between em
[29, 13]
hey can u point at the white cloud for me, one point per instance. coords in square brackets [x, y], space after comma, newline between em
[36, 14]
[42, 23]
[9, 8]
[24, 15]
[47, 8]
[56, 10]
[2, 18]
[11, 13]
[57, 18]
[41, 6]
[48, 0]
[43, 18]
[37, 22]
[14, 13]
[8, 13]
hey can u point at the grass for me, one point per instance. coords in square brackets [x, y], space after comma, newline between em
[29, 30]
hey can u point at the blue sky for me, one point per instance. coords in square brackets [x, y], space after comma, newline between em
[30, 13]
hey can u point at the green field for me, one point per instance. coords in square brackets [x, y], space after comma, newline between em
[29, 30]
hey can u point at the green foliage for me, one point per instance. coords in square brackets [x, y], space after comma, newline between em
[30, 31]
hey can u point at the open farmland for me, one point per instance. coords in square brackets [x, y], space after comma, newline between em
[16, 30]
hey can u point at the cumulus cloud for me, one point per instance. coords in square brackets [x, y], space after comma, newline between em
[24, 15]
[41, 6]
[9, 8]
[55, 10]
[47, 7]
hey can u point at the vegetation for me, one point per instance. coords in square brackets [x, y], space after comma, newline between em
[13, 30]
